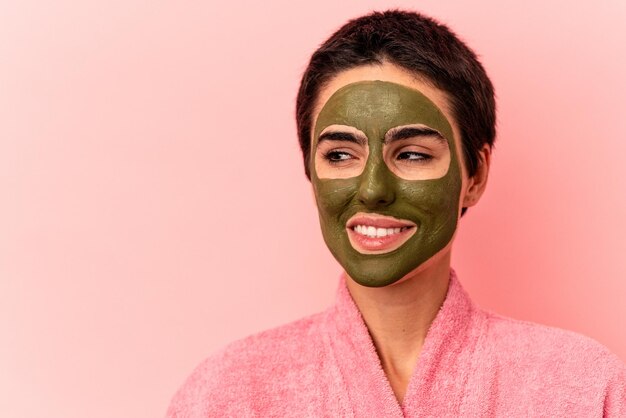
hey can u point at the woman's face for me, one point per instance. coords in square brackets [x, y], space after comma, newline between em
[386, 172]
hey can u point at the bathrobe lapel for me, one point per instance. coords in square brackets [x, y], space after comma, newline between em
[437, 385]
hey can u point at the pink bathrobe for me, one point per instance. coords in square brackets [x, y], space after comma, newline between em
[473, 364]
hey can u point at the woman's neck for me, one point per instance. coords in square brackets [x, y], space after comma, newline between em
[398, 317]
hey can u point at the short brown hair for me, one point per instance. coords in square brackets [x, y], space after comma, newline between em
[420, 45]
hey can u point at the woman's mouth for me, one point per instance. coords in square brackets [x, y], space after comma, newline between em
[371, 233]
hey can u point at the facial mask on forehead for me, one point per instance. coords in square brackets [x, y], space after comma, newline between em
[432, 206]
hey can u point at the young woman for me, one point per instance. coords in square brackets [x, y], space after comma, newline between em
[396, 120]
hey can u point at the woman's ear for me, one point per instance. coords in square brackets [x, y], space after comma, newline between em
[477, 183]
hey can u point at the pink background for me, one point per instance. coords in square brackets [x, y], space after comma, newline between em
[154, 205]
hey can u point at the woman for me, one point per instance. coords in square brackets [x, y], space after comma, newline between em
[396, 120]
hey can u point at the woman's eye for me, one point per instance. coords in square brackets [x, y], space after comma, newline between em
[414, 156]
[337, 156]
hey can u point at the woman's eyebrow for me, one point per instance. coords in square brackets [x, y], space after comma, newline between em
[342, 136]
[404, 132]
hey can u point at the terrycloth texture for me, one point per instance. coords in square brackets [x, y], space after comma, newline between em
[473, 364]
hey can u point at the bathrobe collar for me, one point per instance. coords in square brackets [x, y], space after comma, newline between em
[438, 382]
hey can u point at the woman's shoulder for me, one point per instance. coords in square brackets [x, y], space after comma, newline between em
[252, 364]
[530, 348]
[542, 341]
[528, 369]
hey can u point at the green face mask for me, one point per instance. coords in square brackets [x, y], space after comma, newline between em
[375, 107]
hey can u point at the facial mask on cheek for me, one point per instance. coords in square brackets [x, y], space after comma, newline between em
[374, 107]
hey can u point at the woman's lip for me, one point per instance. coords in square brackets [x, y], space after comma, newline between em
[371, 233]
[367, 244]
[377, 221]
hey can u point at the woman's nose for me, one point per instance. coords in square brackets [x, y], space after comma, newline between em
[375, 189]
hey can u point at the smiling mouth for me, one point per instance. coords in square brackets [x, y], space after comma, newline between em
[371, 233]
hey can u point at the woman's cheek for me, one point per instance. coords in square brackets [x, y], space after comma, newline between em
[334, 196]
[433, 196]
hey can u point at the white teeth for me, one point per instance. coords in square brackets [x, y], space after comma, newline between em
[373, 232]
